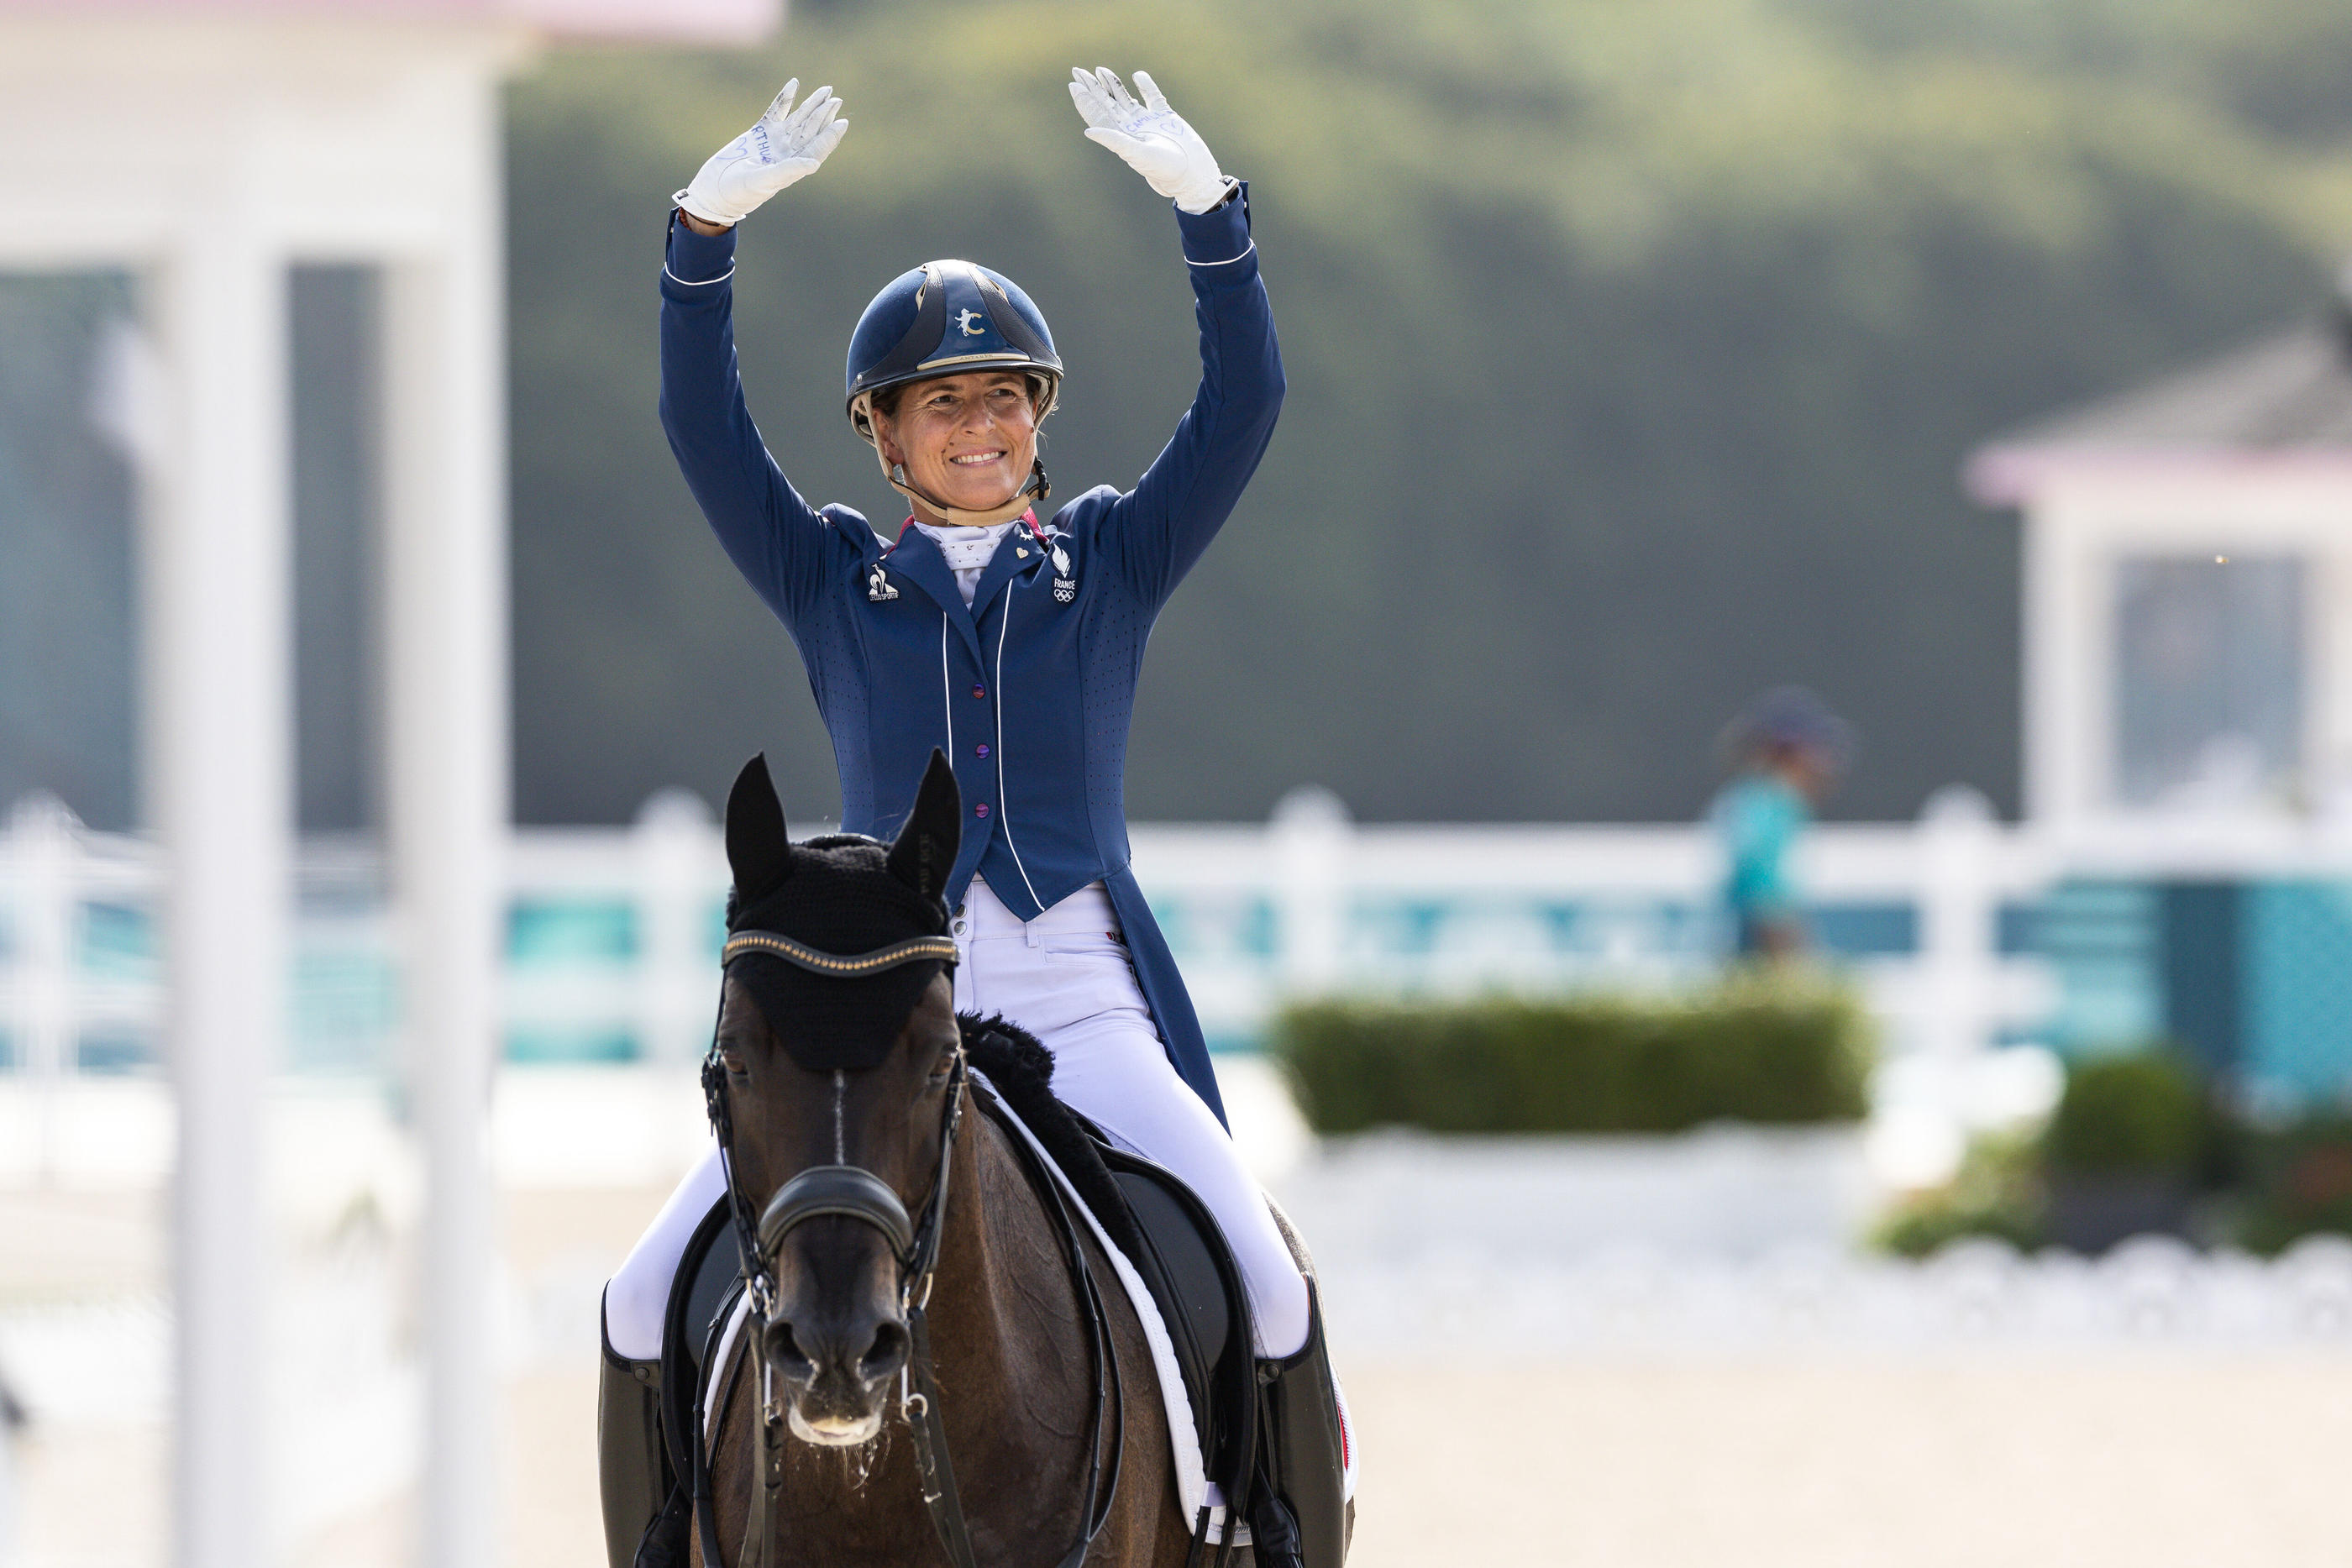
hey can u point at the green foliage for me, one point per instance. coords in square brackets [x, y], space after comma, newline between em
[1751, 1051]
[2297, 1182]
[2142, 1114]
[1633, 350]
[2136, 1125]
[1998, 1192]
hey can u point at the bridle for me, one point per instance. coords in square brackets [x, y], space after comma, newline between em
[852, 1192]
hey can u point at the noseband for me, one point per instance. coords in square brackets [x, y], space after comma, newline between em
[852, 1192]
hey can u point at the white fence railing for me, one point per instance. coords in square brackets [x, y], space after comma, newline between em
[613, 932]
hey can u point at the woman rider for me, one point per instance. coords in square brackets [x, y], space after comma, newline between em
[1012, 644]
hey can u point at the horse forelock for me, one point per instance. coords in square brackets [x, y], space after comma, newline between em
[841, 896]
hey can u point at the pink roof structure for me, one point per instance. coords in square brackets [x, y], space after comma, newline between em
[2282, 405]
[701, 21]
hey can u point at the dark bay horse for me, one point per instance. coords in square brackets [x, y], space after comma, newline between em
[1013, 1359]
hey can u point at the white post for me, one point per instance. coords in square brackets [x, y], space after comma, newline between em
[218, 744]
[2066, 635]
[46, 840]
[445, 620]
[1958, 913]
[1310, 832]
[676, 971]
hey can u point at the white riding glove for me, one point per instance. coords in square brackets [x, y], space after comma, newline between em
[787, 144]
[1151, 137]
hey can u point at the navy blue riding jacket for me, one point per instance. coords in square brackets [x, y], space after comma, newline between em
[1030, 692]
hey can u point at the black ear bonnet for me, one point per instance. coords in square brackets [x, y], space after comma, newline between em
[837, 905]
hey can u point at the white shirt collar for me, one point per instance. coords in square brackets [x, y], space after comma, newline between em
[966, 551]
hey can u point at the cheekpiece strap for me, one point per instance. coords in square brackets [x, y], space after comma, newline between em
[840, 965]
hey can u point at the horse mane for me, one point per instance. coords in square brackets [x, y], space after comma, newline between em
[1021, 1071]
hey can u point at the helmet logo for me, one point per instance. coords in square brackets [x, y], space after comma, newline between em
[972, 322]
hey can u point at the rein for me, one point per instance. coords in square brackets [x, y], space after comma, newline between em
[855, 1193]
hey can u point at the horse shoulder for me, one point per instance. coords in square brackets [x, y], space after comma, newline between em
[1147, 1526]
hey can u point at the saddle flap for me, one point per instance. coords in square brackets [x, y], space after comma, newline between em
[1192, 1274]
[699, 1294]
[1183, 1276]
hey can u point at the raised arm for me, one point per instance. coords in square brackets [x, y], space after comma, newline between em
[1156, 531]
[775, 538]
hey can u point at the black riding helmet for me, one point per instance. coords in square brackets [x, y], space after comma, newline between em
[943, 318]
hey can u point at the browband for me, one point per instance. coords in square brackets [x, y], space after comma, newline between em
[840, 965]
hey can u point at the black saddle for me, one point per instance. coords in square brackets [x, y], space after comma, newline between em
[1160, 1225]
[1174, 1242]
[702, 1296]
[1197, 1286]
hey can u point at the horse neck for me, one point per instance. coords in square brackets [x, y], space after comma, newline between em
[997, 1242]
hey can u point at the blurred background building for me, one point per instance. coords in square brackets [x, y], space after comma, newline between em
[2187, 743]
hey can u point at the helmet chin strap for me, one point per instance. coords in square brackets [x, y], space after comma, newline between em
[1036, 489]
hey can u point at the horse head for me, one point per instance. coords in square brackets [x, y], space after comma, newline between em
[837, 1080]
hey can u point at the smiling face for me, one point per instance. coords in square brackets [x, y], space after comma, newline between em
[967, 439]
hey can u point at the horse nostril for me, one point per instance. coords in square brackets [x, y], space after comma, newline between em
[887, 1355]
[786, 1352]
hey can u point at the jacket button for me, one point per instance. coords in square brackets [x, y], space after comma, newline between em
[983, 748]
[980, 691]
[981, 810]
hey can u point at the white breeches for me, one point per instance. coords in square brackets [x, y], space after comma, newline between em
[1065, 978]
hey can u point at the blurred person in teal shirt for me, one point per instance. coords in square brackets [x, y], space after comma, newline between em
[1789, 750]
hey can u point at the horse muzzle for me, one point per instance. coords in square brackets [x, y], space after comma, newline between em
[839, 1335]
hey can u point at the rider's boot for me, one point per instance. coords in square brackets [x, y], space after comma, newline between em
[631, 1463]
[1299, 1518]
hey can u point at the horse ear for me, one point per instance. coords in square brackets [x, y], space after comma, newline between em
[925, 849]
[759, 847]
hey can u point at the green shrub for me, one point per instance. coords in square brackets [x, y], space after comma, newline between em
[2141, 1113]
[1997, 1192]
[1754, 1051]
[2295, 1181]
